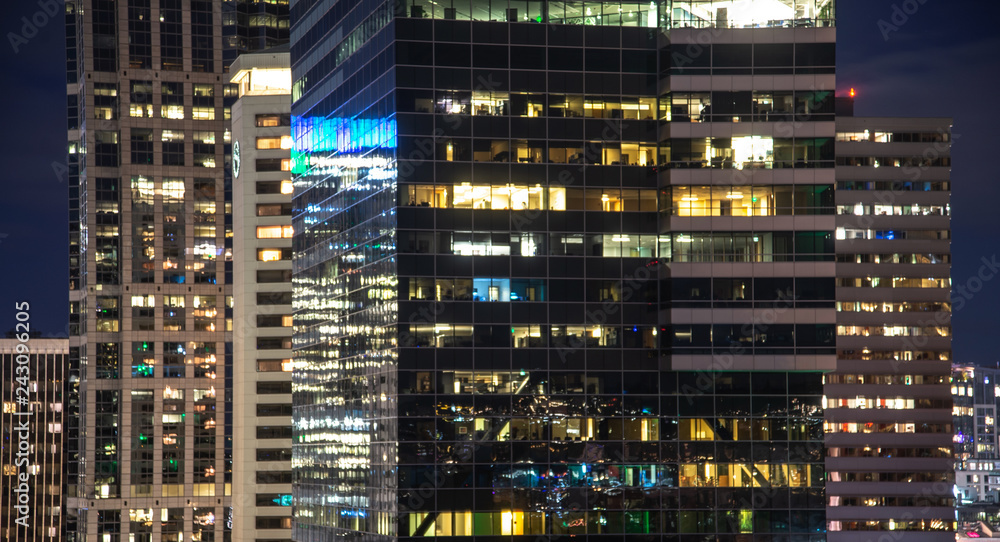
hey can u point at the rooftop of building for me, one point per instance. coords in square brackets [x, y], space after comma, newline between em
[36, 345]
[277, 57]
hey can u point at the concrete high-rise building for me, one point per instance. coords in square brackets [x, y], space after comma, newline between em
[888, 405]
[149, 412]
[31, 462]
[262, 296]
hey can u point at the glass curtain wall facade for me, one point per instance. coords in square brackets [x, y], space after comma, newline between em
[564, 268]
[480, 261]
[747, 224]
[974, 391]
[149, 412]
[344, 271]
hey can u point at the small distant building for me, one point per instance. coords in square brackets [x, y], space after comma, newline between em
[977, 463]
[40, 410]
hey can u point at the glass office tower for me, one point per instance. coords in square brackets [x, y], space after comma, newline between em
[563, 269]
[149, 403]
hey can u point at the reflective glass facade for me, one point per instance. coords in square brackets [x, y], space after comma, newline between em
[610, 451]
[566, 268]
[974, 391]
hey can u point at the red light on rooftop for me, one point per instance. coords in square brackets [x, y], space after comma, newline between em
[852, 93]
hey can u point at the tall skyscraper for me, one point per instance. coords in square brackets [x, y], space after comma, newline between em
[562, 269]
[149, 409]
[31, 462]
[262, 296]
[889, 425]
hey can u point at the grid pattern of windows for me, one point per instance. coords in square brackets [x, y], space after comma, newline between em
[41, 370]
[172, 147]
[140, 33]
[249, 26]
[171, 35]
[105, 101]
[106, 149]
[107, 239]
[202, 37]
[494, 229]
[172, 100]
[141, 99]
[171, 269]
[107, 445]
[142, 146]
[263, 318]
[104, 31]
[689, 452]
[173, 230]
[878, 223]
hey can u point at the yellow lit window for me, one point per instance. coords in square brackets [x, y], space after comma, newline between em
[204, 231]
[269, 142]
[428, 195]
[274, 232]
[269, 255]
[172, 136]
[141, 515]
[286, 186]
[286, 164]
[274, 365]
[557, 199]
[510, 196]
[141, 110]
[172, 112]
[170, 393]
[204, 490]
[268, 232]
[107, 325]
[853, 136]
[171, 490]
[203, 113]
[268, 120]
[205, 137]
[286, 142]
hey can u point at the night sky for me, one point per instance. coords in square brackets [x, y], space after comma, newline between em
[940, 59]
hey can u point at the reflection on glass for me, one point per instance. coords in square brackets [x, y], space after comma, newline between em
[752, 13]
